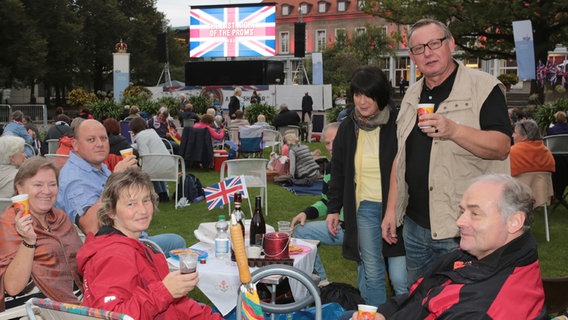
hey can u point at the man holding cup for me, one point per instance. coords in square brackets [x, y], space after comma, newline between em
[467, 135]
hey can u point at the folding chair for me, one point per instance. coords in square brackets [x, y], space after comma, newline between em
[4, 203]
[558, 145]
[58, 159]
[167, 172]
[52, 145]
[272, 139]
[291, 272]
[125, 130]
[250, 141]
[254, 171]
[556, 294]
[47, 309]
[540, 183]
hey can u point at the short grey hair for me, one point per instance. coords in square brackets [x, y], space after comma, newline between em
[516, 196]
[529, 127]
[10, 146]
[424, 22]
[332, 125]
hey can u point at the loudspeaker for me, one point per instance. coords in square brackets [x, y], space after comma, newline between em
[299, 39]
[245, 72]
[161, 50]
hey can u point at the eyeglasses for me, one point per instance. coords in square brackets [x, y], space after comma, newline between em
[524, 128]
[433, 45]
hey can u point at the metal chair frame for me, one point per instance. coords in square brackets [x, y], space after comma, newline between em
[254, 172]
[172, 176]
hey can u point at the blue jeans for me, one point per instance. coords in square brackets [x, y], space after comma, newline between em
[317, 230]
[369, 217]
[421, 249]
[168, 242]
[397, 274]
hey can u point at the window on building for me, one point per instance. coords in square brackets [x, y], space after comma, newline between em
[284, 42]
[285, 10]
[304, 8]
[320, 40]
[322, 7]
[361, 4]
[341, 6]
[360, 30]
[340, 36]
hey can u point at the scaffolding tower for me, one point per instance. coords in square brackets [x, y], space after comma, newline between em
[300, 73]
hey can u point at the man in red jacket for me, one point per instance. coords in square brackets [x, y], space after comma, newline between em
[494, 274]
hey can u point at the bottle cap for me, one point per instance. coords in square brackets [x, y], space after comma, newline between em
[222, 217]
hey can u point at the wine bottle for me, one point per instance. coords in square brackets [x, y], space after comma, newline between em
[238, 198]
[257, 224]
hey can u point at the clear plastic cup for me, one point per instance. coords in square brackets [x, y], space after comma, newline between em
[366, 312]
[188, 262]
[126, 152]
[424, 108]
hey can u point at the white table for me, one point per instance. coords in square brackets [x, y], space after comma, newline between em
[219, 279]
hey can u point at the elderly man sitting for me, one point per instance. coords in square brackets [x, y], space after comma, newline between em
[494, 275]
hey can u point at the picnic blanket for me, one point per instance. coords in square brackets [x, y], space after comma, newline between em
[314, 189]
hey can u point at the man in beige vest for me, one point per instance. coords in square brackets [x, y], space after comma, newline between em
[468, 135]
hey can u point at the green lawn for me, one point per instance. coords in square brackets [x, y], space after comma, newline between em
[283, 205]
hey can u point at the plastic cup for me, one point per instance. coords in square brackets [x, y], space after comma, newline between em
[253, 252]
[188, 262]
[126, 152]
[424, 108]
[284, 226]
[21, 203]
[366, 312]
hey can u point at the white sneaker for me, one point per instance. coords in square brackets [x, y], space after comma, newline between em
[316, 277]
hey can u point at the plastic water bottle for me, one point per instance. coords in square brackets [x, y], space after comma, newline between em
[222, 238]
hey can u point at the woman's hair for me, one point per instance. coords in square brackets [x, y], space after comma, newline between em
[560, 117]
[373, 83]
[239, 114]
[138, 124]
[291, 139]
[10, 146]
[134, 110]
[18, 115]
[207, 119]
[164, 111]
[112, 126]
[261, 118]
[63, 117]
[210, 111]
[31, 167]
[529, 128]
[132, 180]
[424, 22]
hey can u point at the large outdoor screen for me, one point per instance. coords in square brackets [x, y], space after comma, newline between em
[232, 31]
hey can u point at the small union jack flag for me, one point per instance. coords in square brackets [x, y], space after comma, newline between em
[222, 193]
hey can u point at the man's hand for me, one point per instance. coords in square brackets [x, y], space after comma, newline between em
[388, 227]
[332, 223]
[128, 162]
[299, 218]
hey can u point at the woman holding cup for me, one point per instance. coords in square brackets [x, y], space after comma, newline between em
[120, 273]
[37, 251]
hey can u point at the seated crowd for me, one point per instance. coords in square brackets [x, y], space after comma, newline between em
[111, 201]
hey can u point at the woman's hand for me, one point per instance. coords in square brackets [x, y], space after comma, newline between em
[25, 227]
[179, 284]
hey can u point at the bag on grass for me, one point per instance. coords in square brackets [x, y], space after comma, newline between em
[343, 293]
[193, 189]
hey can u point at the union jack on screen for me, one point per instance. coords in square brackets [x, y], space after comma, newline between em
[232, 31]
[222, 193]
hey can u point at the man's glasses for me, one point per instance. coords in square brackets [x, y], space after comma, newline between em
[433, 45]
[524, 128]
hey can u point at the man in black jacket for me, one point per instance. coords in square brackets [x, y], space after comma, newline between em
[286, 117]
[307, 107]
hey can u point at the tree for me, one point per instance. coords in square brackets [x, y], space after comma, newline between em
[23, 54]
[483, 29]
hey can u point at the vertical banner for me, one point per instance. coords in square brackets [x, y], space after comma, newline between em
[524, 49]
[317, 68]
[121, 74]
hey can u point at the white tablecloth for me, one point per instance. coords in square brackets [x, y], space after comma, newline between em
[219, 279]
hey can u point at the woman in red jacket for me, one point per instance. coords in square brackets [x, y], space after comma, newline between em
[119, 272]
